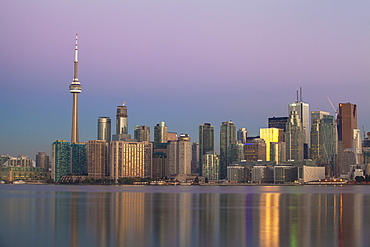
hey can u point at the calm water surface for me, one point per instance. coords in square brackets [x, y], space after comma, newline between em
[50, 215]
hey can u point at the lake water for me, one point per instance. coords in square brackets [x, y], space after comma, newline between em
[58, 215]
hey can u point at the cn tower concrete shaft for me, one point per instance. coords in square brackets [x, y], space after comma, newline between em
[74, 134]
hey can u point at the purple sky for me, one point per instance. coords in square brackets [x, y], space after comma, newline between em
[182, 62]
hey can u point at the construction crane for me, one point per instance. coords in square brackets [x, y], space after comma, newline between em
[336, 110]
[363, 130]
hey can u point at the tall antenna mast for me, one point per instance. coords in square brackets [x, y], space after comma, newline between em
[301, 94]
[75, 74]
[297, 95]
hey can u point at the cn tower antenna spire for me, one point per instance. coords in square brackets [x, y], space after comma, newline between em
[75, 74]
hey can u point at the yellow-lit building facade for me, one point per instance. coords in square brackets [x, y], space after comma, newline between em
[127, 159]
[271, 135]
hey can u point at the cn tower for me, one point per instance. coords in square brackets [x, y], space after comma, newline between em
[75, 88]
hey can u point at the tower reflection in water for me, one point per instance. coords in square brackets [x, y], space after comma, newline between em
[184, 219]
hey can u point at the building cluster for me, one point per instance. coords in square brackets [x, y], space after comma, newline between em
[121, 156]
[302, 146]
[285, 152]
[23, 168]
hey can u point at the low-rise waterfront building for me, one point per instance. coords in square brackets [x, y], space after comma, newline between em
[262, 174]
[238, 173]
[285, 174]
[16, 173]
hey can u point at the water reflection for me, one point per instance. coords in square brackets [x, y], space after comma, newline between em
[72, 218]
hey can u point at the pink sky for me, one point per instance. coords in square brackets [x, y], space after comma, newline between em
[182, 62]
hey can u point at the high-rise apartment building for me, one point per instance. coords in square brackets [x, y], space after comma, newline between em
[206, 141]
[184, 154]
[172, 156]
[294, 138]
[160, 133]
[236, 150]
[75, 88]
[211, 166]
[195, 165]
[242, 135]
[179, 156]
[142, 133]
[104, 129]
[78, 163]
[97, 158]
[42, 160]
[148, 159]
[323, 137]
[60, 161]
[227, 136]
[271, 135]
[127, 159]
[160, 161]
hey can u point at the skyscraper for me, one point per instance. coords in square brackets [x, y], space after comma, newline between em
[278, 122]
[227, 136]
[277, 152]
[349, 139]
[75, 88]
[271, 135]
[294, 137]
[122, 119]
[160, 163]
[148, 158]
[97, 158]
[184, 154]
[160, 133]
[104, 128]
[236, 150]
[323, 137]
[242, 135]
[42, 160]
[179, 156]
[255, 150]
[211, 165]
[60, 161]
[127, 159]
[303, 112]
[142, 133]
[78, 163]
[195, 158]
[206, 141]
[122, 124]
[347, 122]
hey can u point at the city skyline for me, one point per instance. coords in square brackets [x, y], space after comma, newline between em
[181, 63]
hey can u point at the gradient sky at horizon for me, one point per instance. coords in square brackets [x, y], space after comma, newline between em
[182, 62]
